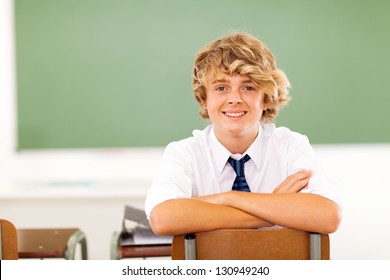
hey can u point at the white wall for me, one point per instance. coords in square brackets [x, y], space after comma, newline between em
[363, 175]
[88, 189]
[361, 170]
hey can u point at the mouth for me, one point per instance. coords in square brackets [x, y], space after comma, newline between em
[235, 114]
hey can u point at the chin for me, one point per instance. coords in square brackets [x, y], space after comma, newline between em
[237, 132]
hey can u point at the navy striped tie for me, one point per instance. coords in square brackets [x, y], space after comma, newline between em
[240, 183]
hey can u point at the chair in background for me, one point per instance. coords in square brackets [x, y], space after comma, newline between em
[119, 251]
[251, 244]
[8, 241]
[51, 243]
[136, 239]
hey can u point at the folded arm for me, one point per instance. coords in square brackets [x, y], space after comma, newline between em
[179, 216]
[286, 206]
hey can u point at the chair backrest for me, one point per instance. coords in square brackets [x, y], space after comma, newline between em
[8, 241]
[252, 244]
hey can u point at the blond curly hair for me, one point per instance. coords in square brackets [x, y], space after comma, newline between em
[243, 54]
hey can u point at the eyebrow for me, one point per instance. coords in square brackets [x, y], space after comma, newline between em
[219, 81]
[226, 81]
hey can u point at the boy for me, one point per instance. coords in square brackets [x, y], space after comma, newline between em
[241, 171]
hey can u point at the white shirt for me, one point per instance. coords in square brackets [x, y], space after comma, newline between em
[198, 166]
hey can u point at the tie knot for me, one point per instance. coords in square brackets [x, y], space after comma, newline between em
[238, 165]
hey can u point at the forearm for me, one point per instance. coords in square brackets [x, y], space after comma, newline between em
[179, 216]
[294, 210]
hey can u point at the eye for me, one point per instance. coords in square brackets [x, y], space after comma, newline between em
[220, 88]
[249, 88]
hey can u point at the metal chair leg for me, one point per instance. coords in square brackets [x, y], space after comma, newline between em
[315, 246]
[190, 246]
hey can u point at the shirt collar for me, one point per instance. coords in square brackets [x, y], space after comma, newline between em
[220, 154]
[254, 150]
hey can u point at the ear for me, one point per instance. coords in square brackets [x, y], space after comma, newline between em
[204, 105]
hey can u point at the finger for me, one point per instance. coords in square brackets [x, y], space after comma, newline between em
[301, 174]
[294, 182]
[296, 187]
[293, 178]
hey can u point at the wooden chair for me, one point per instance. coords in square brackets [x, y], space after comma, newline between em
[8, 241]
[251, 244]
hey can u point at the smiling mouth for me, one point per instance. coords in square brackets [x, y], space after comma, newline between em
[235, 115]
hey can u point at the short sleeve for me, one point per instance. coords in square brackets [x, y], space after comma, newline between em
[174, 178]
[302, 156]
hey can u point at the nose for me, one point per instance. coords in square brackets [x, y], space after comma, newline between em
[234, 97]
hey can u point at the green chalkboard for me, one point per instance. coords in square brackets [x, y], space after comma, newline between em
[97, 73]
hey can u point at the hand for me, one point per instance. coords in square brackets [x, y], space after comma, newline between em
[295, 182]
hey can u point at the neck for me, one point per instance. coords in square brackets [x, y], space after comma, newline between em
[237, 144]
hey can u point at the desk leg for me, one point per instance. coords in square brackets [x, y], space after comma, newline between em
[115, 245]
[77, 238]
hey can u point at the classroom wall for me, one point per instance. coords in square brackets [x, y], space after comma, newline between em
[96, 73]
[33, 190]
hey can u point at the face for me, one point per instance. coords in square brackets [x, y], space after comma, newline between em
[235, 106]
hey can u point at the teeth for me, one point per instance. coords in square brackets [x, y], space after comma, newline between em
[234, 114]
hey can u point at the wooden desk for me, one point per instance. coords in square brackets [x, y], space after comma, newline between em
[51, 243]
[137, 250]
[144, 251]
